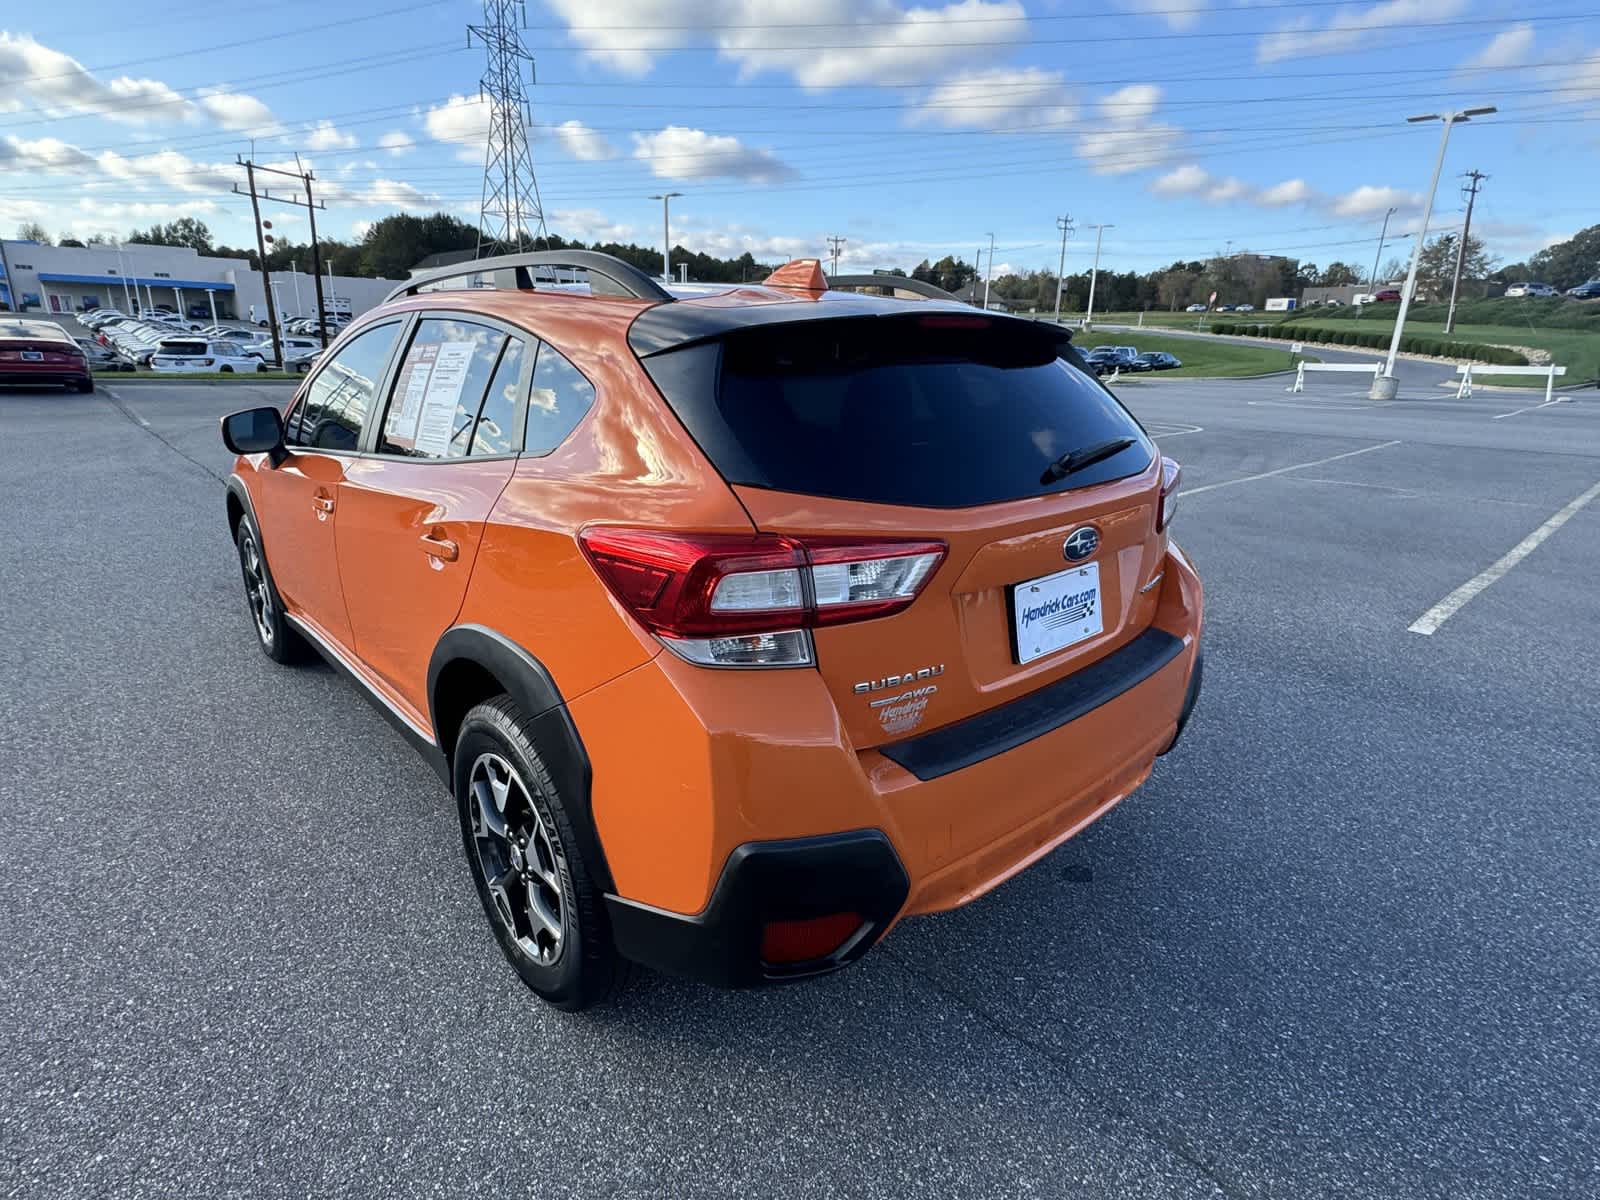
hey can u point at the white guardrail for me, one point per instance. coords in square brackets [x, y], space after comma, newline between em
[1343, 368]
[1470, 369]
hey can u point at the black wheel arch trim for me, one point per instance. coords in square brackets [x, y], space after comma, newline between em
[550, 724]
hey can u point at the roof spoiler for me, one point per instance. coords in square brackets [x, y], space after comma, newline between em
[608, 275]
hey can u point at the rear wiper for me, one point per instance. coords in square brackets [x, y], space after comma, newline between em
[1077, 460]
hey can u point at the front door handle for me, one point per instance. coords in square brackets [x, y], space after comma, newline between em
[440, 547]
[323, 503]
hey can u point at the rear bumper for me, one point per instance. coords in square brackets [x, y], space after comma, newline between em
[44, 377]
[762, 882]
[702, 811]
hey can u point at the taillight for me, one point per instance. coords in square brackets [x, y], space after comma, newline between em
[737, 600]
[206, 362]
[1171, 476]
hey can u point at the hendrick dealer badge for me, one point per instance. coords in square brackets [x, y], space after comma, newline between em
[1054, 611]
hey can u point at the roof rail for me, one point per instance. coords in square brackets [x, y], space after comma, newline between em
[608, 275]
[895, 283]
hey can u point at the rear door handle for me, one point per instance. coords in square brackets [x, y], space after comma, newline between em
[440, 547]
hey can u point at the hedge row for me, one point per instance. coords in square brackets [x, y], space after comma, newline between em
[1411, 343]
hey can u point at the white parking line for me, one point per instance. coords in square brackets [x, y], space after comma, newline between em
[1176, 431]
[1316, 462]
[1441, 612]
[1530, 408]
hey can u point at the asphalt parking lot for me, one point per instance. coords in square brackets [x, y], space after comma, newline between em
[1345, 943]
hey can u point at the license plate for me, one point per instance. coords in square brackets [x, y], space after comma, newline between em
[1055, 611]
[33, 356]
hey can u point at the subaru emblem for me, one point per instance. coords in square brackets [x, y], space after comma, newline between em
[1081, 543]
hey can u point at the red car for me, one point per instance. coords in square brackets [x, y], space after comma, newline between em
[1387, 294]
[42, 352]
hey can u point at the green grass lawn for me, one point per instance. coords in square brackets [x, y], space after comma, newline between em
[1200, 357]
[119, 377]
[1576, 350]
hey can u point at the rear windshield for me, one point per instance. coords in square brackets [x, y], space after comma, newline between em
[183, 347]
[895, 411]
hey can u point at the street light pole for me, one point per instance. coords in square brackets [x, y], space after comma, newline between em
[1094, 274]
[1384, 385]
[1372, 284]
[989, 274]
[1065, 225]
[666, 234]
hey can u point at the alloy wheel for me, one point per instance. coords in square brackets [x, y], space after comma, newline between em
[519, 861]
[257, 594]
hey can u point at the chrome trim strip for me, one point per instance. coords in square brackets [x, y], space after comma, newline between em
[327, 648]
[1152, 583]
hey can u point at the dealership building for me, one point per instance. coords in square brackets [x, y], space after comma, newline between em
[66, 279]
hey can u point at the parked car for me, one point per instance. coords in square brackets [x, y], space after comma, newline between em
[1108, 360]
[1158, 360]
[1586, 291]
[102, 358]
[1531, 289]
[1195, 308]
[1244, 308]
[197, 354]
[655, 571]
[1386, 295]
[41, 352]
[293, 347]
[1331, 303]
[1224, 308]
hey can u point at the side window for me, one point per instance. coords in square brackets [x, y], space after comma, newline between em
[497, 423]
[440, 388]
[560, 398]
[339, 398]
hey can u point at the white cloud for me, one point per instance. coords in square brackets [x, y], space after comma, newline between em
[862, 41]
[462, 121]
[1508, 48]
[239, 112]
[358, 229]
[170, 169]
[1350, 28]
[1367, 200]
[1124, 137]
[63, 86]
[592, 225]
[1192, 180]
[678, 152]
[397, 142]
[1187, 180]
[999, 97]
[583, 143]
[1178, 14]
[43, 154]
[324, 135]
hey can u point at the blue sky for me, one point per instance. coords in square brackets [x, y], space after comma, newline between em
[1191, 126]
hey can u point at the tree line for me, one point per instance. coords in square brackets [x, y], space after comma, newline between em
[390, 248]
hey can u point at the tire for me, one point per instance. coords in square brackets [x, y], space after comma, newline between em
[225, 371]
[578, 966]
[84, 386]
[278, 640]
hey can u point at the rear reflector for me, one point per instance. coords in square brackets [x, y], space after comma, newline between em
[1171, 477]
[748, 600]
[803, 941]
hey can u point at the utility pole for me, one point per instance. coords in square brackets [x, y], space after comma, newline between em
[835, 243]
[1372, 284]
[1065, 225]
[1384, 384]
[988, 275]
[1094, 274]
[666, 234]
[261, 249]
[1471, 189]
[311, 206]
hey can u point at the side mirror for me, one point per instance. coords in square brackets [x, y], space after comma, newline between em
[255, 431]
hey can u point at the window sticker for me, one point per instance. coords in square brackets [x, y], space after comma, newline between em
[434, 394]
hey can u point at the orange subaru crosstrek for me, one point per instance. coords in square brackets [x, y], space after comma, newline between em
[741, 621]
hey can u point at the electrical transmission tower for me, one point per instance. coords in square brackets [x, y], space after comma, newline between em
[511, 217]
